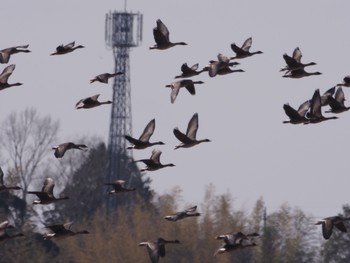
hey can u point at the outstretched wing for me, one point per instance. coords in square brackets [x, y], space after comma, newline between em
[148, 131]
[192, 127]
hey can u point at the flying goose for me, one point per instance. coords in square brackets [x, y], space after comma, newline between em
[188, 72]
[337, 103]
[46, 194]
[90, 102]
[234, 241]
[153, 163]
[299, 73]
[143, 142]
[3, 233]
[161, 36]
[329, 222]
[190, 212]
[221, 66]
[315, 113]
[189, 139]
[5, 74]
[103, 78]
[297, 116]
[294, 62]
[156, 248]
[243, 52]
[346, 82]
[62, 231]
[186, 83]
[118, 187]
[4, 187]
[327, 96]
[6, 53]
[64, 49]
[61, 149]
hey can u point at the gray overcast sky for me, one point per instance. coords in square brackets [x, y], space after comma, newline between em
[252, 153]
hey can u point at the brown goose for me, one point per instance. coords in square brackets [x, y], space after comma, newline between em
[243, 52]
[118, 187]
[6, 73]
[315, 113]
[300, 73]
[156, 248]
[46, 194]
[297, 116]
[329, 222]
[103, 78]
[236, 240]
[221, 66]
[188, 72]
[90, 102]
[62, 231]
[153, 163]
[189, 139]
[61, 149]
[6, 53]
[64, 49]
[4, 234]
[294, 63]
[143, 142]
[186, 83]
[161, 36]
[4, 187]
[190, 212]
[346, 82]
[337, 103]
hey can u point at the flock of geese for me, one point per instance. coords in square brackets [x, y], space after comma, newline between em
[308, 112]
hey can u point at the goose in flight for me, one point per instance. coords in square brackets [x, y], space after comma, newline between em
[153, 163]
[294, 62]
[161, 36]
[337, 103]
[118, 187]
[4, 76]
[188, 72]
[5, 54]
[300, 73]
[346, 82]
[328, 223]
[297, 116]
[189, 212]
[182, 83]
[62, 231]
[64, 49]
[236, 240]
[61, 149]
[156, 248]
[221, 67]
[46, 194]
[315, 113]
[90, 102]
[3, 187]
[243, 52]
[189, 139]
[143, 142]
[104, 77]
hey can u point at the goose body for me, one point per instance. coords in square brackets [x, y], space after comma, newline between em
[5, 54]
[154, 163]
[297, 116]
[294, 62]
[329, 222]
[90, 102]
[189, 139]
[104, 77]
[315, 113]
[156, 248]
[190, 212]
[46, 194]
[62, 231]
[143, 142]
[236, 240]
[4, 76]
[346, 82]
[221, 67]
[337, 103]
[161, 37]
[3, 187]
[182, 83]
[243, 51]
[64, 49]
[188, 72]
[61, 149]
[118, 187]
[300, 73]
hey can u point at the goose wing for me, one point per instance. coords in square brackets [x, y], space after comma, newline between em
[303, 108]
[118, 185]
[60, 228]
[1, 177]
[340, 225]
[161, 33]
[291, 62]
[153, 252]
[4, 225]
[297, 55]
[339, 96]
[48, 186]
[181, 137]
[174, 92]
[247, 44]
[327, 227]
[191, 209]
[131, 139]
[192, 127]
[315, 106]
[6, 73]
[190, 87]
[148, 131]
[186, 69]
[291, 112]
[156, 155]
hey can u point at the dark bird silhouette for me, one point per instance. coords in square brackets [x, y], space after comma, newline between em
[64, 49]
[161, 36]
[3, 187]
[153, 163]
[4, 76]
[118, 187]
[156, 248]
[221, 67]
[315, 113]
[346, 82]
[62, 231]
[236, 240]
[189, 139]
[186, 83]
[243, 52]
[188, 72]
[190, 212]
[328, 223]
[300, 73]
[294, 62]
[46, 194]
[327, 96]
[5, 54]
[61, 149]
[104, 77]
[90, 102]
[297, 116]
[337, 103]
[143, 142]
[4, 234]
